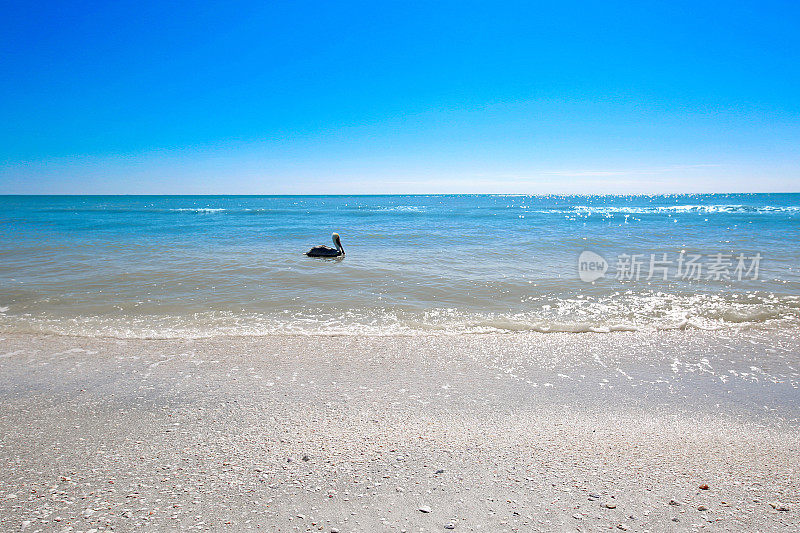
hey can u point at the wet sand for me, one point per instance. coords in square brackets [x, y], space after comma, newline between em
[521, 432]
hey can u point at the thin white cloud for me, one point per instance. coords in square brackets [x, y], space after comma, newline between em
[627, 172]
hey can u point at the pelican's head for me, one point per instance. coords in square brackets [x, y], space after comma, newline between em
[337, 242]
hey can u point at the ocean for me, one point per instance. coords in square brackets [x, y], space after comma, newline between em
[203, 266]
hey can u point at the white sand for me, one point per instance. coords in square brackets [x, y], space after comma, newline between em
[491, 432]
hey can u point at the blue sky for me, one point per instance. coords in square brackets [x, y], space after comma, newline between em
[399, 97]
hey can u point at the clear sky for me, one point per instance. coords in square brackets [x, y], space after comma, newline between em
[399, 97]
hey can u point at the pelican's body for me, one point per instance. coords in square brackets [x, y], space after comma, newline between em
[327, 251]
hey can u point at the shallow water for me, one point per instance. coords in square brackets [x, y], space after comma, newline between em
[178, 266]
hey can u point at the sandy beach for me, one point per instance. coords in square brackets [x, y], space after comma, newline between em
[533, 432]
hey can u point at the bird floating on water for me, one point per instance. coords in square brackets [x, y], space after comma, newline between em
[327, 251]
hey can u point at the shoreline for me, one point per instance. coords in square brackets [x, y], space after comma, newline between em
[228, 325]
[493, 432]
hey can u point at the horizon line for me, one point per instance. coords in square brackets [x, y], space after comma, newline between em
[398, 194]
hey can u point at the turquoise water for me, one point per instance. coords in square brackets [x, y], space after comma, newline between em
[174, 266]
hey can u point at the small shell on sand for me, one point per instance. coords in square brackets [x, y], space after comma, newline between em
[778, 506]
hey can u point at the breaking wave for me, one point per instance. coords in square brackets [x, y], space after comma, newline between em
[621, 313]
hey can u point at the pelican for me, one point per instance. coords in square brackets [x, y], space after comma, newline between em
[327, 251]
